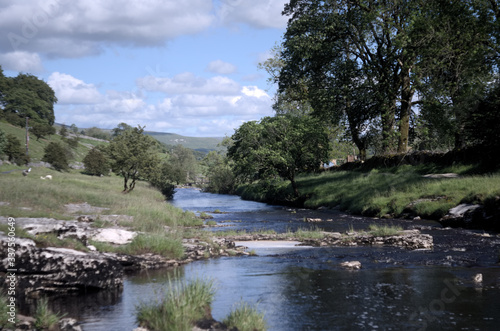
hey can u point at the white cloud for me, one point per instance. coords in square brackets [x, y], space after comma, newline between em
[21, 61]
[70, 90]
[257, 13]
[188, 83]
[254, 91]
[80, 27]
[221, 67]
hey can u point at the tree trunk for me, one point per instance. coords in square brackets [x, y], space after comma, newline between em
[295, 187]
[405, 111]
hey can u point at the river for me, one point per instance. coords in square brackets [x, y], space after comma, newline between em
[304, 288]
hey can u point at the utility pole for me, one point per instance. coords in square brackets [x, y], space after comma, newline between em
[27, 136]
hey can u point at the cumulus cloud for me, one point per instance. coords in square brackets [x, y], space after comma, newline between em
[189, 83]
[191, 104]
[70, 90]
[257, 13]
[221, 67]
[21, 61]
[79, 28]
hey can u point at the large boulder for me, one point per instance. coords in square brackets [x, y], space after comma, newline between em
[59, 270]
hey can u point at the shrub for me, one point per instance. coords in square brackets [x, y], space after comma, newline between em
[44, 317]
[182, 306]
[245, 318]
[14, 150]
[57, 156]
[41, 130]
[96, 162]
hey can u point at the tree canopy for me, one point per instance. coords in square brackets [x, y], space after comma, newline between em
[284, 146]
[376, 65]
[134, 156]
[27, 96]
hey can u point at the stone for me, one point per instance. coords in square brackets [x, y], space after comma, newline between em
[59, 270]
[478, 278]
[313, 220]
[354, 265]
[115, 236]
[462, 215]
[69, 324]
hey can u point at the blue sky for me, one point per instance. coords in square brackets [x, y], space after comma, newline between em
[187, 67]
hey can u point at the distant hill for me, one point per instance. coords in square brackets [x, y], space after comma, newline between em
[201, 144]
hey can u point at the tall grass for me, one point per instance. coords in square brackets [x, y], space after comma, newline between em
[45, 319]
[183, 304]
[245, 318]
[384, 230]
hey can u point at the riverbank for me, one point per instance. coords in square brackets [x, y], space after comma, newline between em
[425, 191]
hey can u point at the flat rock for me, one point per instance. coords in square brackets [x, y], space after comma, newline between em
[115, 236]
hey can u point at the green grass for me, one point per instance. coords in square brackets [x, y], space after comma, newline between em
[245, 318]
[182, 305]
[45, 319]
[36, 148]
[398, 190]
[384, 230]
[302, 234]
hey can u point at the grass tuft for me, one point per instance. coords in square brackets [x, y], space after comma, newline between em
[384, 230]
[245, 318]
[183, 304]
[45, 319]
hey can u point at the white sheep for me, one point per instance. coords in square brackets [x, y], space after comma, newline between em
[47, 177]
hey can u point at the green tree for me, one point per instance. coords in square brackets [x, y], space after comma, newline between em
[96, 162]
[41, 130]
[57, 155]
[122, 127]
[134, 156]
[161, 179]
[219, 173]
[63, 131]
[282, 146]
[27, 96]
[14, 150]
[182, 163]
[3, 140]
[73, 128]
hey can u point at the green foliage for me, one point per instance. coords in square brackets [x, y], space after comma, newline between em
[183, 305]
[219, 173]
[245, 317]
[27, 96]
[156, 243]
[4, 309]
[96, 162]
[134, 156]
[42, 130]
[14, 151]
[97, 133]
[45, 319]
[282, 146]
[182, 164]
[3, 140]
[122, 127]
[63, 131]
[57, 155]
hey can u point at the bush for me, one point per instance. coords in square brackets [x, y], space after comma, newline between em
[14, 150]
[41, 130]
[57, 155]
[183, 305]
[245, 318]
[96, 162]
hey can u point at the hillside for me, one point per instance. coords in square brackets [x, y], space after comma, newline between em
[36, 148]
[201, 144]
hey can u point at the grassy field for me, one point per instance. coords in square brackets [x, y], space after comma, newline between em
[394, 192]
[162, 224]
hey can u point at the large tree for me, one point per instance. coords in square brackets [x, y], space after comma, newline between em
[284, 146]
[134, 156]
[364, 60]
[28, 96]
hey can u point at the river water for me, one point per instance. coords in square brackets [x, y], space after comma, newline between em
[304, 288]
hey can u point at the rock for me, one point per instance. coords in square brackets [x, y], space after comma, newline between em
[115, 236]
[354, 265]
[478, 278]
[85, 218]
[312, 220]
[462, 215]
[69, 324]
[59, 270]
